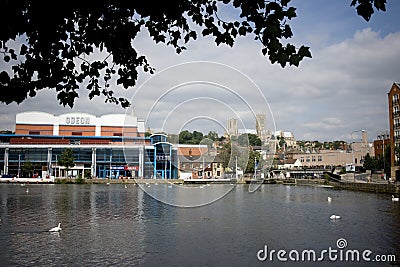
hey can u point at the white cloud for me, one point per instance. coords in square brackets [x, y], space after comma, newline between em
[342, 88]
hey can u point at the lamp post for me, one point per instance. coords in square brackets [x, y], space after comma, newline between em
[382, 136]
[19, 165]
[352, 149]
[55, 174]
[110, 167]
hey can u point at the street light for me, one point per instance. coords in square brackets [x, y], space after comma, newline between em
[19, 164]
[352, 149]
[382, 136]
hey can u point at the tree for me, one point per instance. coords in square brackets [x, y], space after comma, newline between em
[249, 140]
[386, 161]
[27, 169]
[185, 137]
[67, 159]
[253, 156]
[371, 163]
[212, 135]
[282, 141]
[53, 46]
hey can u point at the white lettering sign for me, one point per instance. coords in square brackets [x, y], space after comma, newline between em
[163, 157]
[77, 120]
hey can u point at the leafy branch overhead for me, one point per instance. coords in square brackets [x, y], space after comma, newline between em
[56, 45]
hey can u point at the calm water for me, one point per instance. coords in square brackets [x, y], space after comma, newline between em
[107, 225]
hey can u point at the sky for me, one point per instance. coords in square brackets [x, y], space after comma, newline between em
[341, 89]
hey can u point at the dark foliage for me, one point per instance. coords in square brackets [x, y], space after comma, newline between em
[51, 44]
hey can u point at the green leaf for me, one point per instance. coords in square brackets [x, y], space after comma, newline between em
[304, 51]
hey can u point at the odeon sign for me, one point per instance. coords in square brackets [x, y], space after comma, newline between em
[77, 120]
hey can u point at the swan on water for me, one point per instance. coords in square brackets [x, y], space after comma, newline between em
[56, 229]
[334, 217]
[329, 199]
[395, 198]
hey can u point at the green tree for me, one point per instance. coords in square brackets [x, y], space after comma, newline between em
[67, 159]
[212, 135]
[386, 161]
[371, 163]
[249, 140]
[197, 137]
[52, 46]
[27, 169]
[253, 156]
[185, 137]
[282, 141]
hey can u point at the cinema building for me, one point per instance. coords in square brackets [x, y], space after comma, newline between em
[109, 146]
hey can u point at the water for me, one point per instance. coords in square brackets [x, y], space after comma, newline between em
[108, 225]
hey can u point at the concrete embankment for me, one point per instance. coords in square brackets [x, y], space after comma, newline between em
[369, 187]
[356, 186]
[122, 181]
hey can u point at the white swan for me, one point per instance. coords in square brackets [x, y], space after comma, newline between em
[126, 186]
[395, 198]
[334, 217]
[329, 199]
[56, 229]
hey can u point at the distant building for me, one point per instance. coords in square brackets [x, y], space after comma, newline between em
[394, 124]
[288, 137]
[247, 131]
[289, 164]
[196, 162]
[232, 127]
[381, 144]
[261, 129]
[325, 158]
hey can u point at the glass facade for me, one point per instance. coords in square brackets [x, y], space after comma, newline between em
[157, 160]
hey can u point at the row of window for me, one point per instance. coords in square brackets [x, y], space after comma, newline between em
[72, 133]
[313, 159]
[80, 155]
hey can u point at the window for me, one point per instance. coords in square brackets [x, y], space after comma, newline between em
[77, 133]
[313, 158]
[34, 132]
[319, 158]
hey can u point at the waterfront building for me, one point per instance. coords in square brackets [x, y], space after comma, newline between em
[112, 146]
[337, 158]
[289, 164]
[197, 161]
[394, 125]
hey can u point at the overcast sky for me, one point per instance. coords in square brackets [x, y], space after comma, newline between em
[343, 88]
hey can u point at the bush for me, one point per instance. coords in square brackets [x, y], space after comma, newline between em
[79, 180]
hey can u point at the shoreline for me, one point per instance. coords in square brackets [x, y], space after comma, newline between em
[354, 186]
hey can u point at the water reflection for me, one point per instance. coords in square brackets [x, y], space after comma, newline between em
[114, 225]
